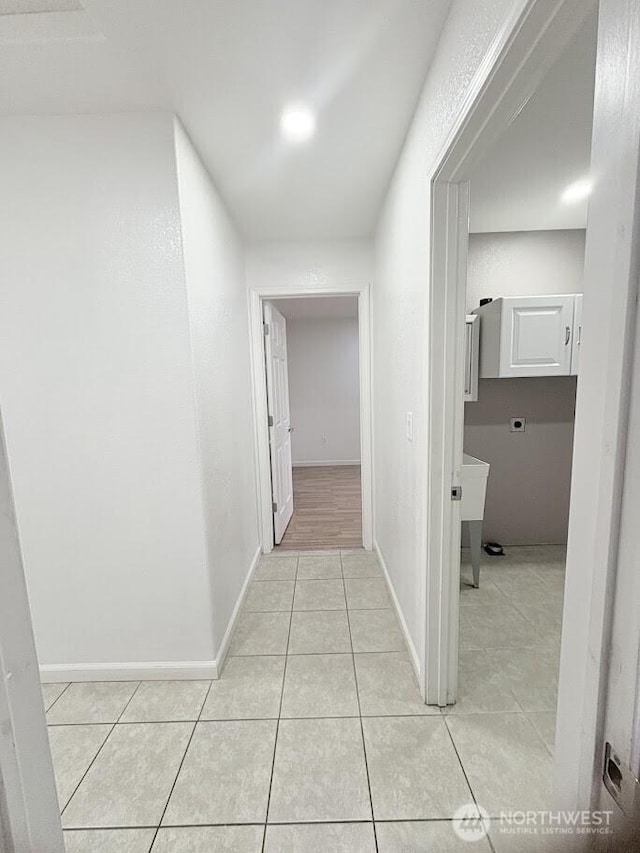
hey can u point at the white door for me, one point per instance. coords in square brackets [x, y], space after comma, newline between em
[577, 335]
[537, 336]
[29, 813]
[279, 419]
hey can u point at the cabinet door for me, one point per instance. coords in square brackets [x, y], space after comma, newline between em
[577, 335]
[537, 333]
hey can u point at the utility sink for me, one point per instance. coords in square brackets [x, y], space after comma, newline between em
[473, 480]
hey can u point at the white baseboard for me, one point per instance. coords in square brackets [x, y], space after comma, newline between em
[147, 671]
[228, 634]
[153, 670]
[413, 655]
[331, 463]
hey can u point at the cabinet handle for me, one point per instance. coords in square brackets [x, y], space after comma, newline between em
[567, 335]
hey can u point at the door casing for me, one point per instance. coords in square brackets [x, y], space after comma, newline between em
[258, 295]
[29, 813]
[530, 41]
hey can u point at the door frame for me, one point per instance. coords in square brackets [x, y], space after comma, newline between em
[529, 42]
[258, 295]
[29, 812]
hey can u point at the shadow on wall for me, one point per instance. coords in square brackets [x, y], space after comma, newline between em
[530, 479]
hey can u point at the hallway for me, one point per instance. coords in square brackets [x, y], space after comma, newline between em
[316, 727]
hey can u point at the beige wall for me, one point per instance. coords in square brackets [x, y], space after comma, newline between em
[529, 483]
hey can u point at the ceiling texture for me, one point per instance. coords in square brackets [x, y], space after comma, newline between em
[318, 307]
[517, 186]
[227, 68]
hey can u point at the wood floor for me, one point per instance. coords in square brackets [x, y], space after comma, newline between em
[327, 512]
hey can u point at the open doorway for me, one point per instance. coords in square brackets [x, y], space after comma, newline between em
[312, 399]
[313, 396]
[524, 341]
[524, 283]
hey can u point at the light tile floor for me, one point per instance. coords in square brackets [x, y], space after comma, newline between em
[315, 737]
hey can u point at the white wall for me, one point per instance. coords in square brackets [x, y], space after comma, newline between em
[524, 263]
[324, 392]
[215, 277]
[305, 264]
[97, 389]
[401, 280]
[529, 484]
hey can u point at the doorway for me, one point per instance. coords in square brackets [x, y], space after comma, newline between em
[313, 395]
[543, 31]
[523, 300]
[512, 261]
[528, 205]
[312, 404]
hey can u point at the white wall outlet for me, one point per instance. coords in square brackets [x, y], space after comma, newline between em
[323, 440]
[410, 426]
[518, 424]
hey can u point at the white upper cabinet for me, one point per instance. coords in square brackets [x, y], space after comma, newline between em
[527, 336]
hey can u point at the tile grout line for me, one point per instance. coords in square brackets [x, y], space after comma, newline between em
[323, 717]
[128, 703]
[284, 676]
[93, 760]
[91, 763]
[116, 723]
[527, 715]
[46, 710]
[364, 747]
[334, 609]
[115, 827]
[466, 778]
[193, 731]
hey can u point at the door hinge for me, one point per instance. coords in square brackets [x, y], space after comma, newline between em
[274, 506]
[456, 493]
[270, 420]
[265, 327]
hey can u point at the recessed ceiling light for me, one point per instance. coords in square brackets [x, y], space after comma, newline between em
[577, 191]
[297, 123]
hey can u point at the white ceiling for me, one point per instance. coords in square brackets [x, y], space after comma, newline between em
[517, 186]
[227, 67]
[317, 307]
